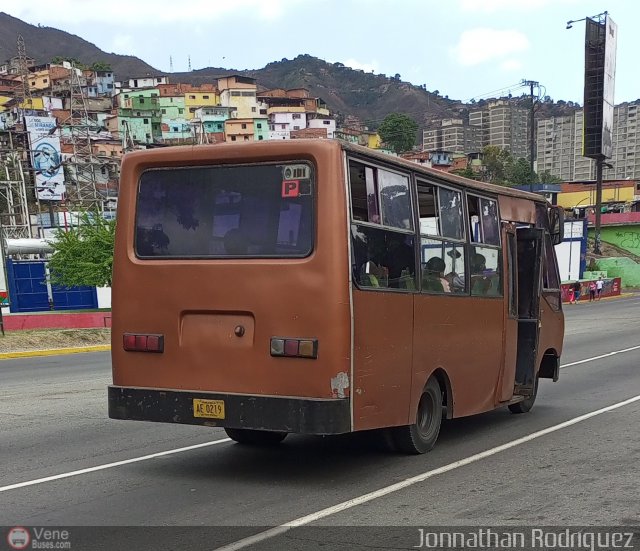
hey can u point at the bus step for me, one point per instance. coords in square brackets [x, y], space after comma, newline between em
[523, 391]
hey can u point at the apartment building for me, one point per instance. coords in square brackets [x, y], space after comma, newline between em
[509, 128]
[480, 119]
[12, 65]
[555, 147]
[295, 110]
[205, 95]
[560, 146]
[500, 123]
[626, 142]
[240, 92]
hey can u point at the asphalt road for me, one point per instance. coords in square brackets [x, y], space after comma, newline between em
[53, 423]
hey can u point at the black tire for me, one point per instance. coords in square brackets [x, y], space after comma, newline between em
[526, 404]
[421, 436]
[256, 437]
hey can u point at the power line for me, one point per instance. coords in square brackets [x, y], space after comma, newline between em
[509, 87]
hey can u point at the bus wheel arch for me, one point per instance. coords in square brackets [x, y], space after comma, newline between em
[421, 435]
[447, 393]
[550, 365]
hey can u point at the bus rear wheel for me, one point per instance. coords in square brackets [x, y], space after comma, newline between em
[421, 436]
[256, 437]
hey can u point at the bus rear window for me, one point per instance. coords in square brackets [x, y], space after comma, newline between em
[252, 211]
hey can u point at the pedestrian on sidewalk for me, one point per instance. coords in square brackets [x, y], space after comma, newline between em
[599, 287]
[592, 291]
[577, 288]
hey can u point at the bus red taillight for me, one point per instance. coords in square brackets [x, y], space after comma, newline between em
[133, 342]
[294, 348]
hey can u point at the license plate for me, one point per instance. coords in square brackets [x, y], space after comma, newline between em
[209, 409]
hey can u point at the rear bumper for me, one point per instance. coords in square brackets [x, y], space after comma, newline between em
[298, 415]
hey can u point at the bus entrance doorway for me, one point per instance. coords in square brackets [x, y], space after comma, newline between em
[529, 261]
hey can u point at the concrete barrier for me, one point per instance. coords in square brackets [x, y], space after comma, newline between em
[612, 287]
[57, 320]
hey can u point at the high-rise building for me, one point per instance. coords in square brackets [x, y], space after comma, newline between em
[508, 128]
[559, 148]
[501, 123]
[452, 135]
[555, 147]
[626, 142]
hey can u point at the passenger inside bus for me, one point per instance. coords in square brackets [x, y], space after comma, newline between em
[433, 278]
[480, 283]
[399, 259]
[455, 279]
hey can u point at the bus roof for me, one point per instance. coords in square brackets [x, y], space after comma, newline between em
[441, 175]
[234, 151]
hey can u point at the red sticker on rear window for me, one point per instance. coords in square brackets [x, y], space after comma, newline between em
[290, 188]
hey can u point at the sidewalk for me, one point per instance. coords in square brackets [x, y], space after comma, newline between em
[626, 294]
[21, 344]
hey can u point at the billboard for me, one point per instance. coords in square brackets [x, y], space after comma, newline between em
[599, 79]
[608, 89]
[46, 158]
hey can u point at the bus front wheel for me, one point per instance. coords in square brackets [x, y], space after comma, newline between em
[421, 436]
[255, 437]
[525, 405]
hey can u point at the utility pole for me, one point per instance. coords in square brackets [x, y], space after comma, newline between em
[532, 131]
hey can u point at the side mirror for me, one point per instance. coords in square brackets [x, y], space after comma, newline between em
[556, 224]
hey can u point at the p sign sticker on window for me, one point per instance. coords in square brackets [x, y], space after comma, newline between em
[290, 188]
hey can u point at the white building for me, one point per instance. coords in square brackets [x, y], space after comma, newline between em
[328, 124]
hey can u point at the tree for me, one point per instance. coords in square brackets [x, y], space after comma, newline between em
[465, 173]
[59, 60]
[101, 66]
[545, 177]
[496, 162]
[520, 173]
[83, 255]
[398, 131]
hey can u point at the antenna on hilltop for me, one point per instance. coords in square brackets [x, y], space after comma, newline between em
[189, 63]
[170, 64]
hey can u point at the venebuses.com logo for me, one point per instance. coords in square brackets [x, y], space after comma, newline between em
[35, 537]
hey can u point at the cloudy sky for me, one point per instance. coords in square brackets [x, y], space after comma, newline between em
[463, 48]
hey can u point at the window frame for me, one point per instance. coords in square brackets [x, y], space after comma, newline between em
[186, 258]
[556, 293]
[413, 232]
[437, 185]
[503, 275]
[443, 240]
[415, 180]
[376, 166]
[480, 197]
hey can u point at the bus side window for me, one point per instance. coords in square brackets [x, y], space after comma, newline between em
[550, 276]
[364, 193]
[383, 258]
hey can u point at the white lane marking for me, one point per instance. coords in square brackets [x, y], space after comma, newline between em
[110, 465]
[602, 356]
[268, 534]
